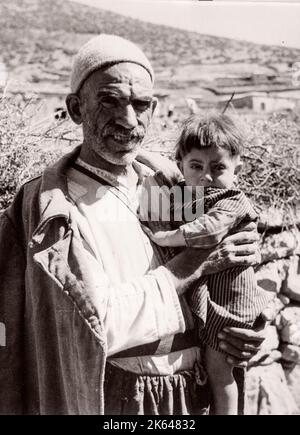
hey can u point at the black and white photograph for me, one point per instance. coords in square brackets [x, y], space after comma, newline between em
[149, 210]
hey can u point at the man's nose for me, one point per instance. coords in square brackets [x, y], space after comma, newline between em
[127, 117]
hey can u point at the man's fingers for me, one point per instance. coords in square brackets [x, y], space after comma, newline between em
[246, 249]
[237, 362]
[240, 260]
[243, 255]
[243, 237]
[250, 226]
[252, 347]
[232, 351]
[248, 335]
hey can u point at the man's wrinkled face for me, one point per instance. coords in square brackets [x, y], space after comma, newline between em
[116, 105]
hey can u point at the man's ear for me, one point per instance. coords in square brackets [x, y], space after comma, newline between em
[73, 106]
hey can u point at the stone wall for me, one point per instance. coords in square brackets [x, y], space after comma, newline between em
[273, 380]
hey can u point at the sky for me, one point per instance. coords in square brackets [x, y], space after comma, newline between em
[263, 22]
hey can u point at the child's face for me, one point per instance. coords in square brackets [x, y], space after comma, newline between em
[210, 167]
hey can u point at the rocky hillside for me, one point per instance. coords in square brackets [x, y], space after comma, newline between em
[38, 38]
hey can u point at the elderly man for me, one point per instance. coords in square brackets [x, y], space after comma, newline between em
[94, 314]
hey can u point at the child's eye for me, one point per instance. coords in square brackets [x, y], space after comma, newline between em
[198, 167]
[220, 167]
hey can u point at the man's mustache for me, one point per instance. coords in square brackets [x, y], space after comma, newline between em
[136, 133]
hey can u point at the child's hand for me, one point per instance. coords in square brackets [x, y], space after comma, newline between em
[166, 238]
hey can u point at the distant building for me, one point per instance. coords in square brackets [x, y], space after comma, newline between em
[267, 102]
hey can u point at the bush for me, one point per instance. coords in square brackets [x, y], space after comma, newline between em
[271, 173]
[25, 148]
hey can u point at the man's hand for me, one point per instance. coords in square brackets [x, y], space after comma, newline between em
[157, 162]
[242, 345]
[239, 249]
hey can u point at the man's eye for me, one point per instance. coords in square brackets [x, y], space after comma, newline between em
[197, 167]
[141, 105]
[109, 102]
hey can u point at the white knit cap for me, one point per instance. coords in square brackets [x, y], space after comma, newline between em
[104, 50]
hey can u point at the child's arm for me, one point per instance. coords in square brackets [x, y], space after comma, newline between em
[210, 229]
[205, 232]
[171, 238]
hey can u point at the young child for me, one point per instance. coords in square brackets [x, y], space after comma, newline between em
[208, 153]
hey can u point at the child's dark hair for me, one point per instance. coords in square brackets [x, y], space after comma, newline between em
[212, 130]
